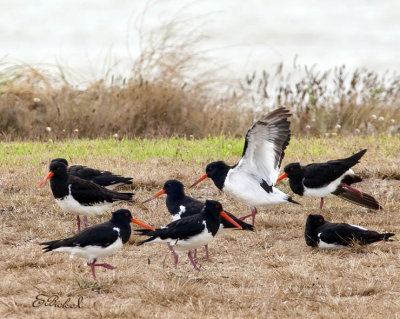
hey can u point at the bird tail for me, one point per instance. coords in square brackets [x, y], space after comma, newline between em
[227, 224]
[51, 245]
[354, 159]
[365, 200]
[147, 232]
[121, 196]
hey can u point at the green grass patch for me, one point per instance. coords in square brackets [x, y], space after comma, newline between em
[188, 150]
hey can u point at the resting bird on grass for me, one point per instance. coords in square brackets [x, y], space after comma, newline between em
[79, 196]
[180, 206]
[102, 178]
[332, 177]
[190, 232]
[98, 241]
[323, 234]
[252, 180]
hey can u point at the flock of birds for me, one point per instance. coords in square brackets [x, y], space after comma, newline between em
[85, 191]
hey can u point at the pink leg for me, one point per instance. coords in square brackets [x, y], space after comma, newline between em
[253, 214]
[85, 221]
[206, 248]
[78, 223]
[176, 257]
[93, 265]
[192, 261]
[321, 203]
[195, 254]
[344, 185]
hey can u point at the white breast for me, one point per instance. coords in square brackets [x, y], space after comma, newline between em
[328, 189]
[92, 252]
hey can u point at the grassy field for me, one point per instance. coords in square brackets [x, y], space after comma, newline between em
[270, 273]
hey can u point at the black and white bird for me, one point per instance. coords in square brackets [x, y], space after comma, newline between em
[252, 180]
[323, 234]
[102, 178]
[79, 196]
[180, 206]
[190, 232]
[333, 177]
[97, 241]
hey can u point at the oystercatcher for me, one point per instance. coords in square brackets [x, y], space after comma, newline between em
[190, 232]
[98, 241]
[252, 180]
[102, 178]
[180, 206]
[323, 234]
[79, 196]
[332, 177]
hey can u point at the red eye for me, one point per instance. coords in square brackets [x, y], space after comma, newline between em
[321, 220]
[169, 185]
[292, 168]
[216, 206]
[126, 214]
[209, 168]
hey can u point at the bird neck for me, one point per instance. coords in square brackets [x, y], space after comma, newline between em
[213, 221]
[311, 236]
[59, 186]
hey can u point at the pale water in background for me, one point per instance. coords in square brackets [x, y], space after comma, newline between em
[244, 35]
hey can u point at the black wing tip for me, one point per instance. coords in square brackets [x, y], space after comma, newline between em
[291, 200]
[386, 236]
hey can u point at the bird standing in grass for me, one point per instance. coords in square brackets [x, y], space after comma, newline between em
[332, 177]
[252, 180]
[98, 241]
[323, 234]
[180, 206]
[190, 232]
[102, 178]
[79, 196]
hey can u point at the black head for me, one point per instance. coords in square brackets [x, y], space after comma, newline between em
[215, 169]
[121, 216]
[62, 160]
[213, 207]
[173, 186]
[314, 221]
[58, 168]
[293, 169]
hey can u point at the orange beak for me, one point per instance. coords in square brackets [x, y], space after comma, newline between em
[224, 215]
[284, 175]
[154, 196]
[49, 175]
[133, 220]
[201, 178]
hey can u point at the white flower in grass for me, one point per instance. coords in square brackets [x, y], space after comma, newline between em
[381, 118]
[308, 127]
[357, 131]
[115, 135]
[393, 120]
[338, 126]
[48, 129]
[76, 131]
[373, 116]
[36, 100]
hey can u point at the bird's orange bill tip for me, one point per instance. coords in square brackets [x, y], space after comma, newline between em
[49, 175]
[201, 178]
[226, 216]
[141, 224]
[284, 175]
[154, 196]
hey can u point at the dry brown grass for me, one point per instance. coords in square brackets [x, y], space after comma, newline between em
[270, 273]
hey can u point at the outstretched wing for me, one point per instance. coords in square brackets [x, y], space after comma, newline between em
[265, 144]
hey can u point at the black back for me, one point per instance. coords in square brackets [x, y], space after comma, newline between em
[102, 235]
[102, 178]
[190, 226]
[318, 175]
[176, 198]
[339, 233]
[85, 192]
